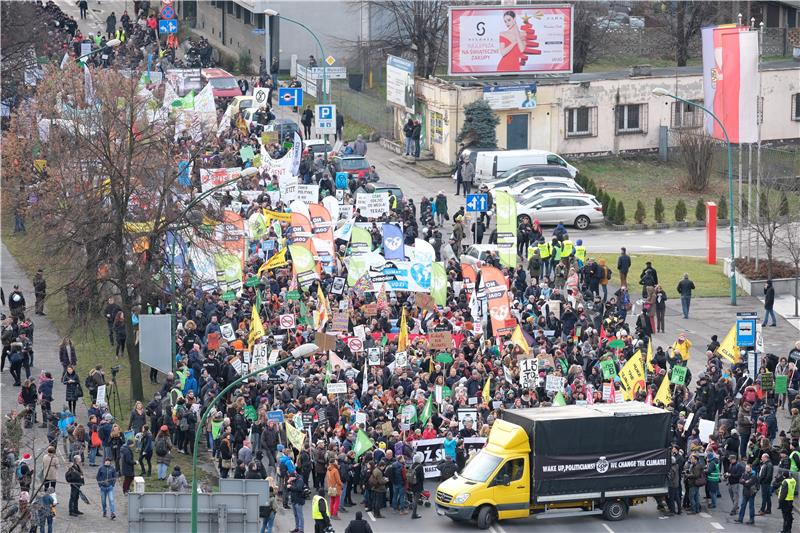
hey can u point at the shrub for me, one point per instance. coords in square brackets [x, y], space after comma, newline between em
[783, 207]
[763, 205]
[680, 211]
[700, 210]
[640, 213]
[620, 218]
[591, 188]
[658, 210]
[722, 207]
[611, 212]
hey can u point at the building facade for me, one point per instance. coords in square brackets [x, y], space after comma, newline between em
[596, 114]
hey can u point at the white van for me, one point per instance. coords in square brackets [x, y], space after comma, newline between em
[489, 164]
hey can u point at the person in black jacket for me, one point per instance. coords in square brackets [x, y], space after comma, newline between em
[359, 525]
[416, 479]
[127, 465]
[623, 266]
[769, 302]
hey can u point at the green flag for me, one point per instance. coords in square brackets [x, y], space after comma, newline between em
[427, 411]
[362, 443]
[559, 400]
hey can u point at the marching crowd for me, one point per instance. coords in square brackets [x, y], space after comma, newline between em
[358, 449]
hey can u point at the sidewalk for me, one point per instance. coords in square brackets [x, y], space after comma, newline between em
[46, 343]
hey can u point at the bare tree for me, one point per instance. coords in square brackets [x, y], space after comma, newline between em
[23, 37]
[771, 219]
[697, 151]
[420, 27]
[789, 239]
[110, 193]
[682, 21]
[587, 35]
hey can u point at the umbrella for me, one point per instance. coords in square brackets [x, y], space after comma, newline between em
[83, 497]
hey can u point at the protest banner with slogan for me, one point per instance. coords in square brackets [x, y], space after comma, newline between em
[340, 321]
[211, 178]
[308, 194]
[497, 294]
[528, 372]
[372, 205]
[678, 375]
[440, 340]
[336, 388]
[433, 452]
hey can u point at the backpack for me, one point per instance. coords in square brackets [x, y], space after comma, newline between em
[20, 472]
[161, 447]
[412, 476]
[90, 383]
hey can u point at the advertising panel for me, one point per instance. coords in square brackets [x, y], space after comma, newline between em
[400, 82]
[517, 40]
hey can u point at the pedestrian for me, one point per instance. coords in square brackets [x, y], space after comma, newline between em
[695, 478]
[333, 481]
[111, 25]
[83, 5]
[786, 496]
[16, 303]
[712, 477]
[110, 312]
[107, 481]
[163, 447]
[146, 451]
[319, 512]
[74, 391]
[416, 135]
[685, 288]
[765, 472]
[39, 291]
[661, 308]
[46, 510]
[120, 334]
[674, 480]
[416, 478]
[749, 483]
[127, 465]
[623, 266]
[769, 303]
[50, 466]
[297, 491]
[269, 510]
[441, 209]
[408, 132]
[360, 146]
[358, 525]
[177, 481]
[467, 175]
[66, 354]
[734, 474]
[74, 476]
[307, 119]
[339, 126]
[377, 485]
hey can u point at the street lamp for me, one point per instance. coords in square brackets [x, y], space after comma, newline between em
[301, 351]
[112, 43]
[660, 91]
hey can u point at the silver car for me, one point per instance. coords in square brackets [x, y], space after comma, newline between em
[577, 209]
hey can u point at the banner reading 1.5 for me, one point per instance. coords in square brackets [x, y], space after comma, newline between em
[503, 40]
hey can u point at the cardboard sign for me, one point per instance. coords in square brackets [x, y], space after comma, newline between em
[606, 391]
[360, 332]
[424, 301]
[337, 388]
[287, 321]
[555, 307]
[370, 310]
[387, 429]
[441, 340]
[260, 355]
[528, 372]
[340, 321]
[326, 342]
[678, 375]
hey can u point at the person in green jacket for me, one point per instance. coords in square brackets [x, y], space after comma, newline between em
[712, 477]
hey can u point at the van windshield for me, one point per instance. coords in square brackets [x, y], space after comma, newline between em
[480, 467]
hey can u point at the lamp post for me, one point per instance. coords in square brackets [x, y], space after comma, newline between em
[660, 91]
[300, 351]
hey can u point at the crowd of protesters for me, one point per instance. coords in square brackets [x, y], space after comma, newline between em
[568, 320]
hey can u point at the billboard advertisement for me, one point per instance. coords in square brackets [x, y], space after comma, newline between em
[510, 96]
[400, 83]
[510, 40]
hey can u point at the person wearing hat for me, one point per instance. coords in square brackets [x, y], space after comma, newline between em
[416, 479]
[733, 475]
[16, 303]
[358, 525]
[106, 480]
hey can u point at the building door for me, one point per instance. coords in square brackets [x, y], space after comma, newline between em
[517, 132]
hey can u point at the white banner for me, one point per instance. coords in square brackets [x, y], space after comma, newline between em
[215, 177]
[372, 205]
[308, 194]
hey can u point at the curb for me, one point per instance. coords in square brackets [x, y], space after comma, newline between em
[661, 226]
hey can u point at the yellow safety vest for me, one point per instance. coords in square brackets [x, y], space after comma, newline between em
[566, 248]
[544, 250]
[580, 253]
[557, 252]
[791, 485]
[315, 513]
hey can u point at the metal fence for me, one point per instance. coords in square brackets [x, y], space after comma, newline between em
[363, 107]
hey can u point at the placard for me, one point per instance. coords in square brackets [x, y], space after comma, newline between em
[361, 417]
[326, 342]
[287, 321]
[337, 388]
[781, 384]
[370, 310]
[555, 307]
[338, 285]
[528, 372]
[401, 359]
[554, 383]
[308, 194]
[355, 344]
[607, 391]
[260, 356]
[424, 301]
[227, 332]
[339, 321]
[372, 205]
[678, 375]
[360, 332]
[374, 356]
[705, 428]
[609, 368]
[101, 395]
[767, 381]
[440, 340]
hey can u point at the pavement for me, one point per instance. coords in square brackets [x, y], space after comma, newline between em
[46, 344]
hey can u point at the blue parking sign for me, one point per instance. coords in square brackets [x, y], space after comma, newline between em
[477, 203]
[326, 118]
[168, 26]
[290, 96]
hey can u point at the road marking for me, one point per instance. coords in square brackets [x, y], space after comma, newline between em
[371, 516]
[705, 515]
[717, 525]
[608, 528]
[500, 528]
[649, 247]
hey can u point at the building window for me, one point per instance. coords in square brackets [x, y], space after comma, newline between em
[229, 6]
[631, 118]
[238, 10]
[247, 17]
[581, 121]
[686, 116]
[796, 106]
[260, 21]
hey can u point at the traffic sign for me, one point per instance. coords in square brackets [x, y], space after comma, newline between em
[261, 95]
[746, 329]
[290, 96]
[332, 73]
[325, 117]
[287, 321]
[167, 12]
[275, 416]
[168, 26]
[477, 203]
[330, 61]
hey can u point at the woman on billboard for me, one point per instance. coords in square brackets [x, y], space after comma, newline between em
[512, 43]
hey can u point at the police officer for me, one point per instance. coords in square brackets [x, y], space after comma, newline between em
[545, 251]
[580, 253]
[319, 512]
[786, 500]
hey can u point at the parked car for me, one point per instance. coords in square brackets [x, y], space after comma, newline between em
[284, 128]
[223, 83]
[318, 147]
[384, 187]
[514, 179]
[526, 190]
[354, 165]
[475, 254]
[576, 209]
[536, 194]
[240, 103]
[489, 164]
[536, 170]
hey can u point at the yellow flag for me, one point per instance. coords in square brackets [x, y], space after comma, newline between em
[276, 215]
[277, 260]
[650, 367]
[256, 327]
[321, 314]
[295, 436]
[632, 375]
[664, 396]
[487, 390]
[728, 349]
[519, 339]
[402, 338]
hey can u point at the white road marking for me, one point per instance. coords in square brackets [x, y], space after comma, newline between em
[500, 528]
[717, 525]
[652, 247]
[705, 515]
[371, 516]
[608, 528]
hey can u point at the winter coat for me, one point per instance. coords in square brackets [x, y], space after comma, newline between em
[126, 461]
[333, 479]
[67, 355]
[50, 465]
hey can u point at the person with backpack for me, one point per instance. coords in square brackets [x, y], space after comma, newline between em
[24, 473]
[74, 477]
[163, 445]
[416, 478]
[269, 510]
[107, 481]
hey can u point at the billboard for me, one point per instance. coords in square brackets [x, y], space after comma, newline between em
[510, 96]
[730, 82]
[510, 40]
[400, 83]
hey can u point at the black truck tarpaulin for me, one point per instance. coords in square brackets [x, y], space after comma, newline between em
[647, 463]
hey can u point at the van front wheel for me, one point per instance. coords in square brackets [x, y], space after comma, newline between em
[486, 517]
[615, 510]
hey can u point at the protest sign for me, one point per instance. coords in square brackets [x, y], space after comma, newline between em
[401, 359]
[227, 332]
[339, 321]
[554, 383]
[372, 205]
[101, 395]
[361, 417]
[373, 356]
[781, 384]
[338, 286]
[259, 357]
[609, 369]
[433, 452]
[705, 428]
[287, 321]
[767, 381]
[360, 332]
[528, 372]
[308, 194]
[440, 340]
[337, 388]
[370, 310]
[678, 375]
[326, 342]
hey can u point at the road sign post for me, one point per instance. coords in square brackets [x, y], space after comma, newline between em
[477, 203]
[325, 117]
[746, 329]
[167, 26]
[290, 96]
